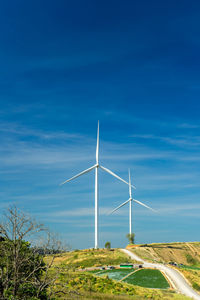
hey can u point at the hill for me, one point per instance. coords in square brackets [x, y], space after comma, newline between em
[80, 259]
[75, 279]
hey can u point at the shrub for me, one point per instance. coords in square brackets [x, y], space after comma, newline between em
[131, 237]
[191, 260]
[196, 286]
[108, 245]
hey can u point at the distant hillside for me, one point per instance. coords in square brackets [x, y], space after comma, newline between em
[186, 255]
[181, 253]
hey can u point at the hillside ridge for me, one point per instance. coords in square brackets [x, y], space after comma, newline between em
[187, 253]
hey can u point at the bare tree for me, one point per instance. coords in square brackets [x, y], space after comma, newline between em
[23, 273]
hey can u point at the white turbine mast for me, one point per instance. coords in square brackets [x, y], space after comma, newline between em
[96, 167]
[130, 201]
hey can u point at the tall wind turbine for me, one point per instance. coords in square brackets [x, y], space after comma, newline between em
[130, 201]
[96, 167]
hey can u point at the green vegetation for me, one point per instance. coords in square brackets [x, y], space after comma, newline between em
[196, 286]
[88, 282]
[82, 285]
[145, 277]
[23, 272]
[189, 267]
[116, 274]
[91, 258]
[148, 278]
[108, 245]
[131, 237]
[21, 268]
[191, 260]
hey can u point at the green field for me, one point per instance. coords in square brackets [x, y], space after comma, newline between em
[116, 274]
[145, 277]
[148, 278]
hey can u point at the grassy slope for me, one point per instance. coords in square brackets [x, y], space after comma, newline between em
[83, 285]
[87, 286]
[80, 259]
[182, 253]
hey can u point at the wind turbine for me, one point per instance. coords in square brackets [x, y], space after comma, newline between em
[96, 167]
[130, 200]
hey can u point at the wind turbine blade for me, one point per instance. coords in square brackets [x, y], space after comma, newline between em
[83, 172]
[97, 148]
[116, 176]
[120, 206]
[144, 205]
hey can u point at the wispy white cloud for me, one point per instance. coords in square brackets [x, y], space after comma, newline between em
[183, 209]
[188, 125]
[178, 140]
[17, 129]
[63, 148]
[78, 212]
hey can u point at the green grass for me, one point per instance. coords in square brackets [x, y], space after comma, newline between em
[82, 285]
[191, 260]
[145, 278]
[148, 278]
[83, 281]
[115, 274]
[189, 267]
[91, 258]
[94, 271]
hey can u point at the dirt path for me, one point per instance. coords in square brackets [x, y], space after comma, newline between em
[175, 278]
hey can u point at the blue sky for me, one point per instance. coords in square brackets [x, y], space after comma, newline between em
[132, 65]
